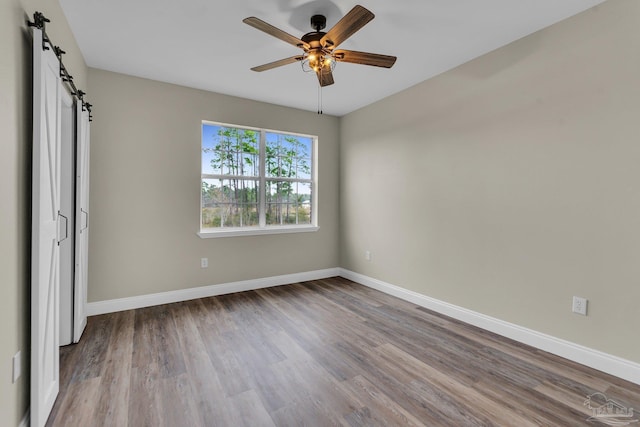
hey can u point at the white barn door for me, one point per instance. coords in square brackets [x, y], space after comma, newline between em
[67, 210]
[48, 228]
[82, 221]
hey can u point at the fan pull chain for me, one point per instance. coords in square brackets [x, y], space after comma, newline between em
[320, 94]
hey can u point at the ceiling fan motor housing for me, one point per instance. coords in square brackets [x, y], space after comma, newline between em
[318, 22]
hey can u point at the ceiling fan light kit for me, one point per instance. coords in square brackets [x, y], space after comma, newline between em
[320, 53]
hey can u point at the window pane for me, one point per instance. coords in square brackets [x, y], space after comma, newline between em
[288, 203]
[229, 203]
[229, 151]
[239, 165]
[288, 156]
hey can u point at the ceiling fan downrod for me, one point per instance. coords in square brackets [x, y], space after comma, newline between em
[318, 22]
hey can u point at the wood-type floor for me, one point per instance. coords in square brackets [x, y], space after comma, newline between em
[319, 353]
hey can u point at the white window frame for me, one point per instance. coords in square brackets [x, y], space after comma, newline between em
[263, 228]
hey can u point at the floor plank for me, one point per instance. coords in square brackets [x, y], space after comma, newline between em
[112, 408]
[319, 353]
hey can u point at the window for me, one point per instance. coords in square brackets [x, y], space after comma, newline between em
[256, 181]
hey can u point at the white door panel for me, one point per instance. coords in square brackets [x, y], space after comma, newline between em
[46, 230]
[82, 221]
[67, 212]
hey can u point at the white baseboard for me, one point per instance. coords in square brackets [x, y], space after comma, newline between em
[121, 304]
[26, 420]
[604, 362]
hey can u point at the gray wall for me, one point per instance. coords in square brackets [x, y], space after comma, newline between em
[145, 191]
[15, 174]
[511, 183]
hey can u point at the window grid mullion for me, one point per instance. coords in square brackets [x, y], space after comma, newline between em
[292, 179]
[238, 177]
[262, 220]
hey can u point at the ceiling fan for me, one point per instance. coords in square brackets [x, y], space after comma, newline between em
[320, 53]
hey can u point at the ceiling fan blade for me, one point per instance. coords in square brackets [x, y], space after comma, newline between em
[365, 58]
[357, 18]
[279, 63]
[325, 77]
[275, 32]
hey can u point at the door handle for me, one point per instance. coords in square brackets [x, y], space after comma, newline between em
[66, 227]
[86, 219]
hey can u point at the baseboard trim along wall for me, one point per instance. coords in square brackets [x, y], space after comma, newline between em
[604, 362]
[121, 304]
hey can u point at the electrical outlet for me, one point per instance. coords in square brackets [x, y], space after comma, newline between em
[16, 367]
[367, 255]
[579, 305]
[204, 262]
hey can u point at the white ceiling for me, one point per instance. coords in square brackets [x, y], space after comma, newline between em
[204, 44]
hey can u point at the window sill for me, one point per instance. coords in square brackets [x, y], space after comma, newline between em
[236, 232]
